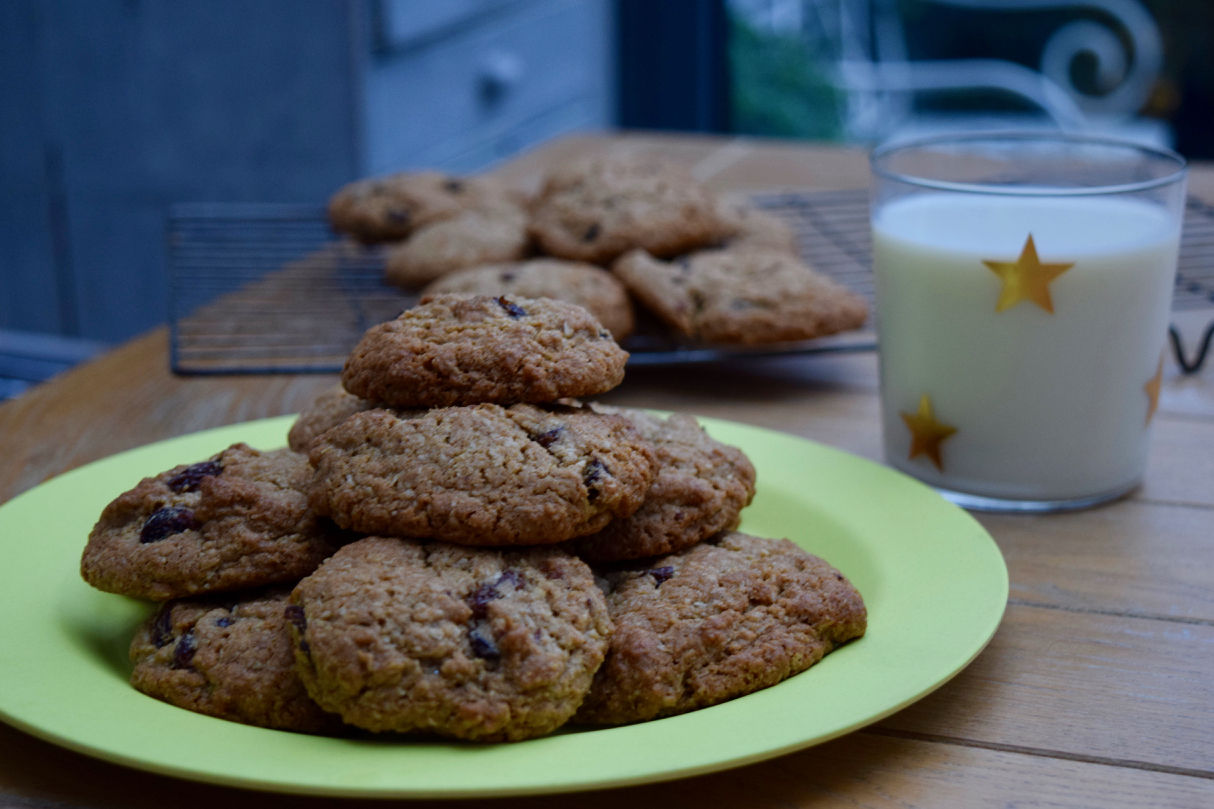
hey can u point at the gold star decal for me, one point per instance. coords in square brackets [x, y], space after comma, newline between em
[1152, 389]
[1026, 279]
[926, 433]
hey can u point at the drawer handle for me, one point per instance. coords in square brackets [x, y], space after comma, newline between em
[500, 73]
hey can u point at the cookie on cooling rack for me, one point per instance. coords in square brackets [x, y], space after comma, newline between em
[751, 227]
[597, 209]
[717, 621]
[382, 209]
[469, 643]
[744, 296]
[481, 475]
[701, 488]
[474, 237]
[232, 659]
[463, 350]
[586, 285]
[237, 520]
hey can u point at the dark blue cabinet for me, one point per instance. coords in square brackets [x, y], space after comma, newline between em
[110, 112]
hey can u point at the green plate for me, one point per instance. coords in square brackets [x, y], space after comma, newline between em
[922, 565]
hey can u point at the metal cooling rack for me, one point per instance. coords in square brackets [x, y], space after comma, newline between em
[258, 289]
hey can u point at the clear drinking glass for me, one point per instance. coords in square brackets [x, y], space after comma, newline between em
[1023, 288]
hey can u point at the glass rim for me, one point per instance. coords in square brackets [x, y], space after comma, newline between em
[879, 152]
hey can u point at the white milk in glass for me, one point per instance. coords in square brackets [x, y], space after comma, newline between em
[1045, 406]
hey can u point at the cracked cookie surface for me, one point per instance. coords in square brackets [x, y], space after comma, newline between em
[596, 209]
[588, 286]
[232, 659]
[701, 488]
[715, 622]
[462, 350]
[237, 520]
[745, 296]
[470, 643]
[481, 475]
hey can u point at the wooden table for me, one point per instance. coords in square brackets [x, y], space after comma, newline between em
[1098, 689]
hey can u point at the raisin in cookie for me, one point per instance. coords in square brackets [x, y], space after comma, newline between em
[715, 622]
[390, 208]
[745, 296]
[701, 488]
[238, 520]
[233, 659]
[481, 475]
[472, 238]
[458, 350]
[598, 209]
[330, 409]
[591, 287]
[469, 643]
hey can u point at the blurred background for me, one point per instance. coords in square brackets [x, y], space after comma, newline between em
[113, 111]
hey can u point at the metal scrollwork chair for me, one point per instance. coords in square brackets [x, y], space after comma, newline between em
[879, 80]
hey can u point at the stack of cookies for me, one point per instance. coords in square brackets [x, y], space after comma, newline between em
[455, 545]
[605, 233]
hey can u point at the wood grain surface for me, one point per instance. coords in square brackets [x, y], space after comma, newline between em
[1096, 690]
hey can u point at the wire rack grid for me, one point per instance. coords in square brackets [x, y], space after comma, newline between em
[258, 289]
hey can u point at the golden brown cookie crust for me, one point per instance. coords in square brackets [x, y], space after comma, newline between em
[232, 659]
[481, 475]
[717, 621]
[586, 285]
[239, 520]
[595, 210]
[461, 350]
[330, 409]
[744, 296]
[701, 488]
[469, 643]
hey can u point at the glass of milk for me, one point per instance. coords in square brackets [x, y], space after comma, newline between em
[1023, 287]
